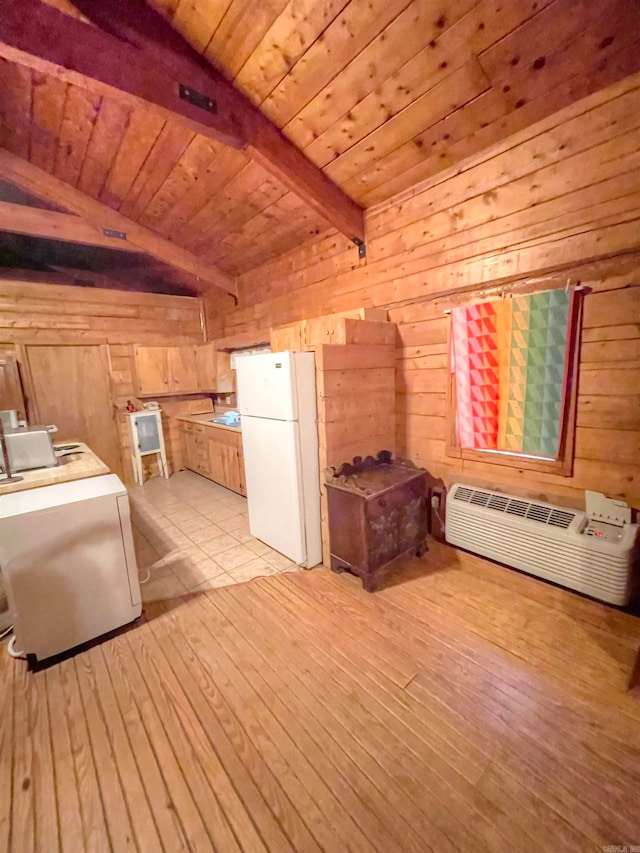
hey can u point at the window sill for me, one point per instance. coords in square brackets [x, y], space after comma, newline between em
[561, 467]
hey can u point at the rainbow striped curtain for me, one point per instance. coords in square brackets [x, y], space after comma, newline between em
[510, 360]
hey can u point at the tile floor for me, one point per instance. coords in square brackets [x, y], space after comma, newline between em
[192, 534]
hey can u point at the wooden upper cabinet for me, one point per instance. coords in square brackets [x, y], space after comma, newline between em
[206, 367]
[347, 330]
[151, 370]
[290, 337]
[322, 330]
[165, 370]
[188, 369]
[183, 375]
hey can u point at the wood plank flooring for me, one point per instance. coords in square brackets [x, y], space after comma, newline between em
[464, 706]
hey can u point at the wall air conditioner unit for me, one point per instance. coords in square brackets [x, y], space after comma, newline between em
[586, 551]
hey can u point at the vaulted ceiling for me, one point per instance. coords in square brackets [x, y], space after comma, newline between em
[378, 94]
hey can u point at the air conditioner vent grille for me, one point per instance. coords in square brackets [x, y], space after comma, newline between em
[512, 506]
[498, 502]
[538, 513]
[517, 508]
[558, 518]
[480, 498]
[463, 493]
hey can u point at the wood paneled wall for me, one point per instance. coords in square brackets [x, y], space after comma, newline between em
[558, 202]
[32, 312]
[607, 448]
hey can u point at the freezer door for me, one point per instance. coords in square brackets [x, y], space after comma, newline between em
[266, 386]
[274, 485]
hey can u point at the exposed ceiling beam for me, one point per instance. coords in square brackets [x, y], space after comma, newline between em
[50, 188]
[135, 55]
[20, 219]
[111, 279]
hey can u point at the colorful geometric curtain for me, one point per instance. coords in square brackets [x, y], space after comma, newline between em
[510, 360]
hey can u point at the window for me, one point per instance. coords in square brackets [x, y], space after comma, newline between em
[513, 370]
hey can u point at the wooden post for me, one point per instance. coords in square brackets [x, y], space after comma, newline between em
[634, 681]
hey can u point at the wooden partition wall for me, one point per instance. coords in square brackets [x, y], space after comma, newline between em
[558, 202]
[40, 313]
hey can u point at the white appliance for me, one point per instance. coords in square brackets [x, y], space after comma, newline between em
[67, 559]
[586, 551]
[277, 395]
[9, 418]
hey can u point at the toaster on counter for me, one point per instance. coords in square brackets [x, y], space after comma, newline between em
[30, 448]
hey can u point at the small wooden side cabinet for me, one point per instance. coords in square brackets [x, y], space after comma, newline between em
[377, 513]
[147, 439]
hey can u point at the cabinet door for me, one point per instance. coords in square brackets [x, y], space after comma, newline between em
[184, 446]
[194, 452]
[216, 463]
[231, 468]
[151, 370]
[146, 432]
[183, 377]
[323, 330]
[206, 367]
[225, 377]
[224, 462]
[11, 396]
[189, 451]
[287, 338]
[243, 487]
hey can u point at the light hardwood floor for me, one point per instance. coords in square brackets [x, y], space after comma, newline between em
[464, 706]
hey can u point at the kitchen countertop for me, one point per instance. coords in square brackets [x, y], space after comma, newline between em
[205, 420]
[75, 466]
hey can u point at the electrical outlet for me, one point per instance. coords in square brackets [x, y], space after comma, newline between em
[437, 497]
[437, 493]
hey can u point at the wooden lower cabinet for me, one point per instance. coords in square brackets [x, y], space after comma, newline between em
[214, 453]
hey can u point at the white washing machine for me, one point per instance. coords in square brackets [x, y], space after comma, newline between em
[68, 563]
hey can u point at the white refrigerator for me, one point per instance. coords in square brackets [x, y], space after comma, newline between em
[277, 401]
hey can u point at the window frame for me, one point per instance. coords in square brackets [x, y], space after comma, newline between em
[563, 464]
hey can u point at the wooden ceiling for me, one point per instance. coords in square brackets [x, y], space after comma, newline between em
[208, 198]
[379, 94]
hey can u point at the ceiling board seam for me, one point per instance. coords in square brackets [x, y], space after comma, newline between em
[86, 150]
[114, 158]
[392, 73]
[398, 116]
[528, 134]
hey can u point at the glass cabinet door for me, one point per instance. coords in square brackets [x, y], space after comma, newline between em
[147, 432]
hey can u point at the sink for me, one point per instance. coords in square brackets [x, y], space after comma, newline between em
[231, 419]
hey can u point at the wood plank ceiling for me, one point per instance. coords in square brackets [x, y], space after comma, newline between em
[380, 94]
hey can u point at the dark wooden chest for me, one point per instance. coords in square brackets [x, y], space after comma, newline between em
[376, 515]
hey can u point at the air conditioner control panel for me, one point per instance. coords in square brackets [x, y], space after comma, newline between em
[603, 531]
